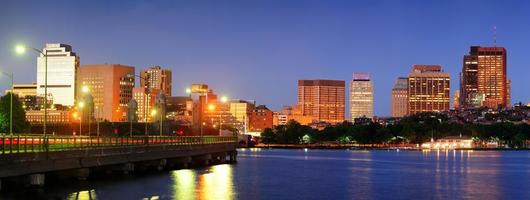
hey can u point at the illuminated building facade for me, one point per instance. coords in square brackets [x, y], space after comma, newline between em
[400, 97]
[62, 73]
[55, 116]
[483, 79]
[145, 100]
[23, 90]
[322, 99]
[260, 119]
[180, 109]
[157, 79]
[429, 89]
[111, 87]
[361, 96]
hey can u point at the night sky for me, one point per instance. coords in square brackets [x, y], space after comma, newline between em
[257, 50]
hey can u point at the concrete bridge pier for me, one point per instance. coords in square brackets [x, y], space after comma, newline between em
[233, 156]
[203, 159]
[161, 164]
[82, 173]
[181, 162]
[36, 179]
[127, 168]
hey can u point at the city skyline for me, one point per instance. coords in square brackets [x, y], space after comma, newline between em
[249, 55]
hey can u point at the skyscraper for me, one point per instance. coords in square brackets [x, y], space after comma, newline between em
[400, 94]
[111, 87]
[322, 99]
[429, 89]
[157, 78]
[62, 73]
[361, 96]
[483, 78]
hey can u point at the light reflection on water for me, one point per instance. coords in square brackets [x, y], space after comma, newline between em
[328, 174]
[215, 183]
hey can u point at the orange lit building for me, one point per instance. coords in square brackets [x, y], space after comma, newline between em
[322, 99]
[157, 79]
[400, 94]
[483, 79]
[111, 86]
[260, 119]
[429, 89]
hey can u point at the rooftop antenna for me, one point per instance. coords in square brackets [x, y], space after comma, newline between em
[494, 36]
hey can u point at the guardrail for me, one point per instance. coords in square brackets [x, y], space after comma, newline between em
[11, 144]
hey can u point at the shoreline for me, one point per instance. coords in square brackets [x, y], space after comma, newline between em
[368, 147]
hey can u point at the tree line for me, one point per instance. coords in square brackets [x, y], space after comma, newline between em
[415, 129]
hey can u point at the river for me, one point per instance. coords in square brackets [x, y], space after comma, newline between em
[320, 174]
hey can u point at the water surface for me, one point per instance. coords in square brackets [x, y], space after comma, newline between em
[324, 174]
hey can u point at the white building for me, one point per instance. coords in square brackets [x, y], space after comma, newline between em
[62, 72]
[361, 96]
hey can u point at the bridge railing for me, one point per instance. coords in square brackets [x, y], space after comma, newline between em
[10, 144]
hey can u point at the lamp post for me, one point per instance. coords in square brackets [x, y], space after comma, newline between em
[86, 91]
[224, 99]
[20, 49]
[10, 104]
[145, 101]
[80, 106]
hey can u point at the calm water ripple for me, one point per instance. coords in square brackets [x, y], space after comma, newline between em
[324, 174]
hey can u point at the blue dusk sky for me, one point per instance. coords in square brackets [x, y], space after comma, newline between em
[257, 50]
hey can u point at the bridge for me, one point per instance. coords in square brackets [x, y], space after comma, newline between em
[31, 157]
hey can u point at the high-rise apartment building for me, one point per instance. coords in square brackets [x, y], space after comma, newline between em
[62, 73]
[361, 96]
[429, 89]
[483, 79]
[111, 87]
[322, 99]
[157, 78]
[400, 97]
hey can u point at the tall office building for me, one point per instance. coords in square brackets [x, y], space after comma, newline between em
[400, 97]
[62, 73]
[322, 99]
[111, 88]
[157, 78]
[429, 89]
[483, 78]
[361, 96]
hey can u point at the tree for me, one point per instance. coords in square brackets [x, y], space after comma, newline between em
[267, 136]
[19, 116]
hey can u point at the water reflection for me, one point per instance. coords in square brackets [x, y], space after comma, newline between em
[83, 195]
[215, 182]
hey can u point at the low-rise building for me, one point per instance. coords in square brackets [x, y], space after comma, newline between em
[450, 142]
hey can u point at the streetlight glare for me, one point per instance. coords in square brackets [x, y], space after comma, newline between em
[85, 89]
[153, 112]
[20, 49]
[211, 107]
[188, 90]
[81, 104]
[224, 99]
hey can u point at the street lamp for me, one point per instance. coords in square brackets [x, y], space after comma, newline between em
[86, 90]
[145, 100]
[224, 99]
[21, 49]
[10, 104]
[154, 113]
[80, 106]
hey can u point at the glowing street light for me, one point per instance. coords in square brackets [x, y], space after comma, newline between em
[224, 99]
[85, 89]
[153, 113]
[188, 90]
[211, 107]
[80, 106]
[21, 49]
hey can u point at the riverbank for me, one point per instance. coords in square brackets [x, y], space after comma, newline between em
[374, 147]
